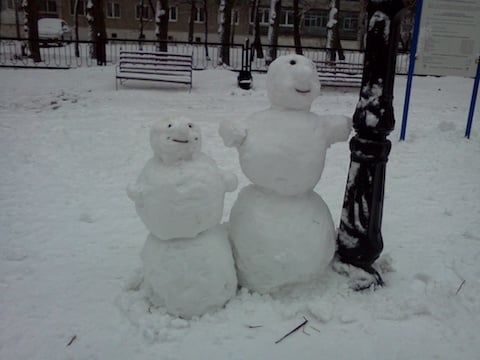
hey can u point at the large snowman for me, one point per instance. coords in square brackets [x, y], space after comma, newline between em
[281, 230]
[179, 196]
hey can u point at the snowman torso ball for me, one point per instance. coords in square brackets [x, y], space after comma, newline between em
[283, 148]
[180, 191]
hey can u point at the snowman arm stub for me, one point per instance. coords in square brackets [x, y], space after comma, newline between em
[232, 133]
[230, 180]
[339, 127]
[135, 192]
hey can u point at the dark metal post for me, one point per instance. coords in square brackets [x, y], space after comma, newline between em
[359, 241]
[245, 75]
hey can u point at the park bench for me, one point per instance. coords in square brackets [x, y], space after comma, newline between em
[339, 73]
[154, 66]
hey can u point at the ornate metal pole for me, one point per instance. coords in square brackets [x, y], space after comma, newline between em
[359, 241]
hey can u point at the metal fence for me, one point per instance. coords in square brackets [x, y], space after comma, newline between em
[65, 55]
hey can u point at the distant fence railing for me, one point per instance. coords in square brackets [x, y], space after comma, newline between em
[63, 55]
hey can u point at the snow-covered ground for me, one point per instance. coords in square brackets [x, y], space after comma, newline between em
[71, 240]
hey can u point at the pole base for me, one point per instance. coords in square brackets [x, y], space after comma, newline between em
[361, 278]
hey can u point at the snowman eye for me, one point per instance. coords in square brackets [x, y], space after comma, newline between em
[292, 62]
[169, 125]
[190, 126]
[196, 138]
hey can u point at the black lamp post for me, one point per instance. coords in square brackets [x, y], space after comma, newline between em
[359, 241]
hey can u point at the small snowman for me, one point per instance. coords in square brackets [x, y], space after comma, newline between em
[282, 232]
[179, 196]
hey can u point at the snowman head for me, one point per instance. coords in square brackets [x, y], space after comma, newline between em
[292, 82]
[176, 138]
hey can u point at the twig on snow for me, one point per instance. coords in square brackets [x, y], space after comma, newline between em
[294, 330]
[254, 326]
[314, 328]
[74, 337]
[460, 287]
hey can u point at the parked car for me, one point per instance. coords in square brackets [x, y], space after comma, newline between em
[54, 30]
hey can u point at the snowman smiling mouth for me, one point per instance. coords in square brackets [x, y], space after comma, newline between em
[302, 91]
[180, 141]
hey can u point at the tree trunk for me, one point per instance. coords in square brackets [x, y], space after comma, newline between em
[257, 42]
[30, 9]
[205, 10]
[296, 28]
[97, 32]
[17, 20]
[77, 49]
[224, 20]
[333, 44]
[161, 24]
[191, 23]
[141, 35]
[273, 23]
[362, 24]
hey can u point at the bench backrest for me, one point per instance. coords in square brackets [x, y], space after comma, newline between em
[155, 61]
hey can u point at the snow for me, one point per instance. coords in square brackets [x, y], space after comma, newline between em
[280, 241]
[380, 20]
[190, 277]
[71, 240]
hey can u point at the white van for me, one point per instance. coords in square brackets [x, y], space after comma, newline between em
[54, 30]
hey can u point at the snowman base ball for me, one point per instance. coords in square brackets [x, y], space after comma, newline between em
[190, 276]
[280, 241]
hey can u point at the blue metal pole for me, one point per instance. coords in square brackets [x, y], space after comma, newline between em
[411, 67]
[474, 99]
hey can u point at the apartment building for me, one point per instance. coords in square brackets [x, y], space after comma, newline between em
[125, 18]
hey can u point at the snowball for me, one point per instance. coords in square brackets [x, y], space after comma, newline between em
[232, 133]
[190, 277]
[183, 200]
[180, 191]
[174, 139]
[292, 82]
[280, 240]
[285, 150]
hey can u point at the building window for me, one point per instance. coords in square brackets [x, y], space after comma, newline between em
[81, 7]
[199, 15]
[143, 11]
[263, 16]
[48, 6]
[315, 19]
[113, 10]
[350, 22]
[10, 4]
[172, 14]
[235, 17]
[286, 18]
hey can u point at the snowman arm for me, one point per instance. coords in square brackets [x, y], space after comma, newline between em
[232, 133]
[339, 128]
[230, 180]
[135, 192]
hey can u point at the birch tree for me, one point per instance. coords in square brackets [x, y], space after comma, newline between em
[30, 10]
[96, 30]
[362, 24]
[141, 35]
[333, 36]
[224, 21]
[257, 42]
[296, 27]
[205, 10]
[273, 24]
[161, 24]
[406, 27]
[75, 15]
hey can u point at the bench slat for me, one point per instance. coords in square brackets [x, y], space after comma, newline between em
[155, 66]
